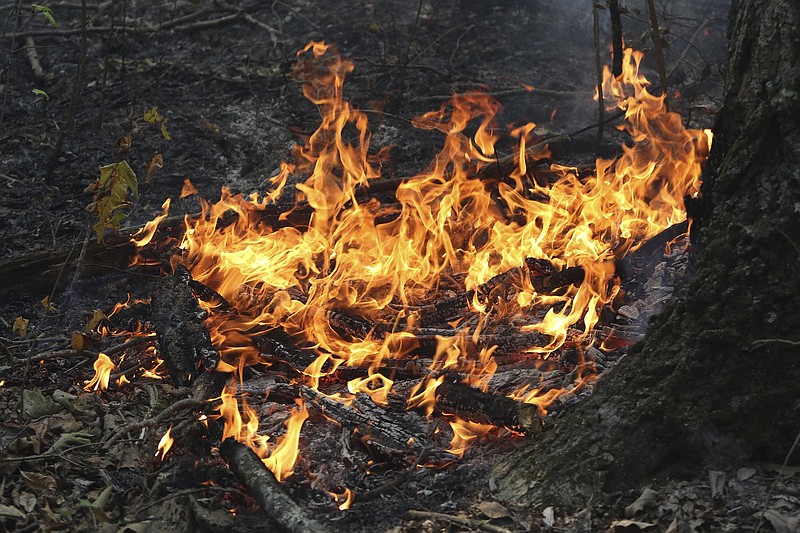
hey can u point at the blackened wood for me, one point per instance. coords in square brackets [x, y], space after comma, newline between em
[266, 490]
[616, 37]
[178, 320]
[394, 434]
[456, 398]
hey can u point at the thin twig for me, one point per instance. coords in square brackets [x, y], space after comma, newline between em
[616, 37]
[655, 34]
[185, 404]
[76, 95]
[33, 59]
[601, 105]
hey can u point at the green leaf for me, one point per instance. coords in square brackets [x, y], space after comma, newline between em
[39, 92]
[46, 12]
[35, 404]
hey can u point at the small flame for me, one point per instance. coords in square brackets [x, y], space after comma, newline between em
[282, 459]
[146, 233]
[103, 366]
[188, 188]
[346, 499]
[464, 433]
[165, 443]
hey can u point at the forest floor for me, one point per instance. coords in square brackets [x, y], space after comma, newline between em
[221, 76]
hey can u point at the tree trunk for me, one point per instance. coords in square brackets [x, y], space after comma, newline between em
[715, 382]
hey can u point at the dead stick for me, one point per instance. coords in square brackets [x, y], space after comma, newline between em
[33, 59]
[186, 403]
[265, 489]
[616, 37]
[601, 105]
[458, 520]
[655, 34]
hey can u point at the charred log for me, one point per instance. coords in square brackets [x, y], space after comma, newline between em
[456, 398]
[178, 321]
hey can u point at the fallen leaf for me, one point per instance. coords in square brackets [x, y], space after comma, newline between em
[41, 483]
[745, 473]
[630, 525]
[717, 481]
[781, 522]
[20, 326]
[35, 404]
[67, 440]
[493, 510]
[549, 517]
[11, 512]
[647, 499]
[27, 501]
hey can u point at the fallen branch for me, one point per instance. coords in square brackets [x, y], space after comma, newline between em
[265, 489]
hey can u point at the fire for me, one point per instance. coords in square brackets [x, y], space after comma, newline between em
[464, 432]
[103, 366]
[283, 458]
[446, 224]
[165, 443]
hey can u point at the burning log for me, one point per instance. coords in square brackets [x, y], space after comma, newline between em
[178, 319]
[266, 490]
[454, 397]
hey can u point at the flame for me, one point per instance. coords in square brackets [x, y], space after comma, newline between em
[146, 233]
[345, 497]
[445, 224]
[103, 366]
[188, 189]
[464, 433]
[165, 443]
[282, 459]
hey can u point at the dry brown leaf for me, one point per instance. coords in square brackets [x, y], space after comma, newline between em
[549, 516]
[717, 481]
[630, 525]
[745, 473]
[493, 510]
[39, 482]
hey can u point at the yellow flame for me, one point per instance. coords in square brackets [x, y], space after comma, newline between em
[464, 433]
[165, 443]
[146, 233]
[103, 366]
[445, 224]
[283, 458]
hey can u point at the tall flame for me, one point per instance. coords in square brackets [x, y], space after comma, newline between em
[446, 223]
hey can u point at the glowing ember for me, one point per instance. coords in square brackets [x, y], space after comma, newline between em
[165, 443]
[103, 366]
[447, 225]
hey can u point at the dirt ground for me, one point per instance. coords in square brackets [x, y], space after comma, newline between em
[221, 76]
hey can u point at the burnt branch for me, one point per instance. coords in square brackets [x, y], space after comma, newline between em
[266, 490]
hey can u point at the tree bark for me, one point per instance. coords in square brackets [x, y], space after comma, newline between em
[714, 383]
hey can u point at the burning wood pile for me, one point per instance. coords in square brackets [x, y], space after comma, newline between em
[369, 324]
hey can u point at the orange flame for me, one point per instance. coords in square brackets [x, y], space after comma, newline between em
[446, 224]
[282, 459]
[103, 366]
[464, 433]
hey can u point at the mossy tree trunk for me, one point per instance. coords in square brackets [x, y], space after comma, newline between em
[716, 382]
